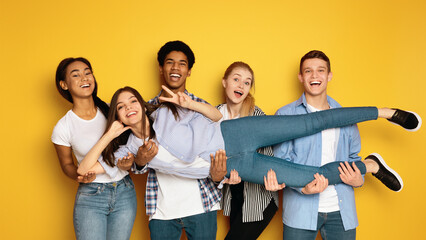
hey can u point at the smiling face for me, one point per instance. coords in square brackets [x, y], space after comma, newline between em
[79, 80]
[315, 76]
[129, 110]
[237, 85]
[175, 71]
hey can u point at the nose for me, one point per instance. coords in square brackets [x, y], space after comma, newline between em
[175, 65]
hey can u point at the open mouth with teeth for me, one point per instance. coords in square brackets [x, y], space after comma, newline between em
[238, 93]
[315, 83]
[85, 85]
[175, 76]
[130, 114]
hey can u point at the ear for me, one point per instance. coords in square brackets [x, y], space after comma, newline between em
[63, 85]
[160, 68]
[330, 76]
[299, 76]
[189, 72]
[224, 83]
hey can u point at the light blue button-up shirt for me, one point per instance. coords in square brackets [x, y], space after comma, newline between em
[301, 211]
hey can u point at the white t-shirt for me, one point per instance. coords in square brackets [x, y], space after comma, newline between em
[178, 196]
[225, 113]
[81, 135]
[328, 199]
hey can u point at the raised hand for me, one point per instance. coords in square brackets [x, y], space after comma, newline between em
[146, 153]
[271, 183]
[116, 129]
[351, 175]
[234, 178]
[86, 178]
[125, 163]
[218, 165]
[319, 184]
[180, 99]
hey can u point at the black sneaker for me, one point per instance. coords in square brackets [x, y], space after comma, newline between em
[411, 121]
[386, 175]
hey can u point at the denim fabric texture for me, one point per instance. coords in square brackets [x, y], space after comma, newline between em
[330, 226]
[197, 227]
[105, 210]
[245, 135]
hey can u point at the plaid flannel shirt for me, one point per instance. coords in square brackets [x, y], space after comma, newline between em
[210, 194]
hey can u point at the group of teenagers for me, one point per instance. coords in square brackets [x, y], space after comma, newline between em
[201, 158]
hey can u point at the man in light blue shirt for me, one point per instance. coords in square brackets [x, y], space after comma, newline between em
[318, 206]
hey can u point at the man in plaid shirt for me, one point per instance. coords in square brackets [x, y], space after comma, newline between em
[175, 203]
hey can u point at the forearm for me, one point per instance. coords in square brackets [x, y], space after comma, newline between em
[92, 157]
[97, 169]
[70, 170]
[207, 110]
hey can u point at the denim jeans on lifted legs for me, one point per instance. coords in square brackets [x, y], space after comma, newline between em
[244, 136]
[197, 227]
[330, 226]
[105, 210]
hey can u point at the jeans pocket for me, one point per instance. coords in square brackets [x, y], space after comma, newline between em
[91, 189]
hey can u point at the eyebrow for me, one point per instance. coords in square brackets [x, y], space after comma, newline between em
[241, 75]
[76, 70]
[171, 59]
[133, 96]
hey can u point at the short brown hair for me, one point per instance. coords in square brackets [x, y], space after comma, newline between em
[315, 54]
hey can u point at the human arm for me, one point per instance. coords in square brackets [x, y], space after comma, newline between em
[183, 100]
[70, 169]
[91, 158]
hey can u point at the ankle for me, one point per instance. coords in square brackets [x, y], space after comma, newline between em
[386, 112]
[371, 166]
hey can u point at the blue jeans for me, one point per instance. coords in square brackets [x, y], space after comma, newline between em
[105, 210]
[197, 227]
[330, 226]
[244, 136]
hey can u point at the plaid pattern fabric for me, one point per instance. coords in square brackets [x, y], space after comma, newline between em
[210, 195]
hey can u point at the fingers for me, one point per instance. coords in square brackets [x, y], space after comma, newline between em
[221, 159]
[356, 169]
[319, 184]
[167, 90]
[149, 148]
[271, 182]
[86, 178]
[234, 178]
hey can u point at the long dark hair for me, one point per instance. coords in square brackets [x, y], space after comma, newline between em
[108, 153]
[61, 71]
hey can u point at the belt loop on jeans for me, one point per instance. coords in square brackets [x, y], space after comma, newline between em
[127, 180]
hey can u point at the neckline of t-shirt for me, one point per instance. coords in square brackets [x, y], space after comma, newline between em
[84, 120]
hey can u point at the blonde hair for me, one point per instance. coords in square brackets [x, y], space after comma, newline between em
[247, 108]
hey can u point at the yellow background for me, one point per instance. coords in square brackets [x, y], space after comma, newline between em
[377, 50]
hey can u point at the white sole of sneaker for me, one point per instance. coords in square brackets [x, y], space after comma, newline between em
[382, 161]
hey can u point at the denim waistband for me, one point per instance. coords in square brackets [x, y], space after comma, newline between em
[127, 180]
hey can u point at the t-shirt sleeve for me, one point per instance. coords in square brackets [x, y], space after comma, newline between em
[61, 135]
[111, 171]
